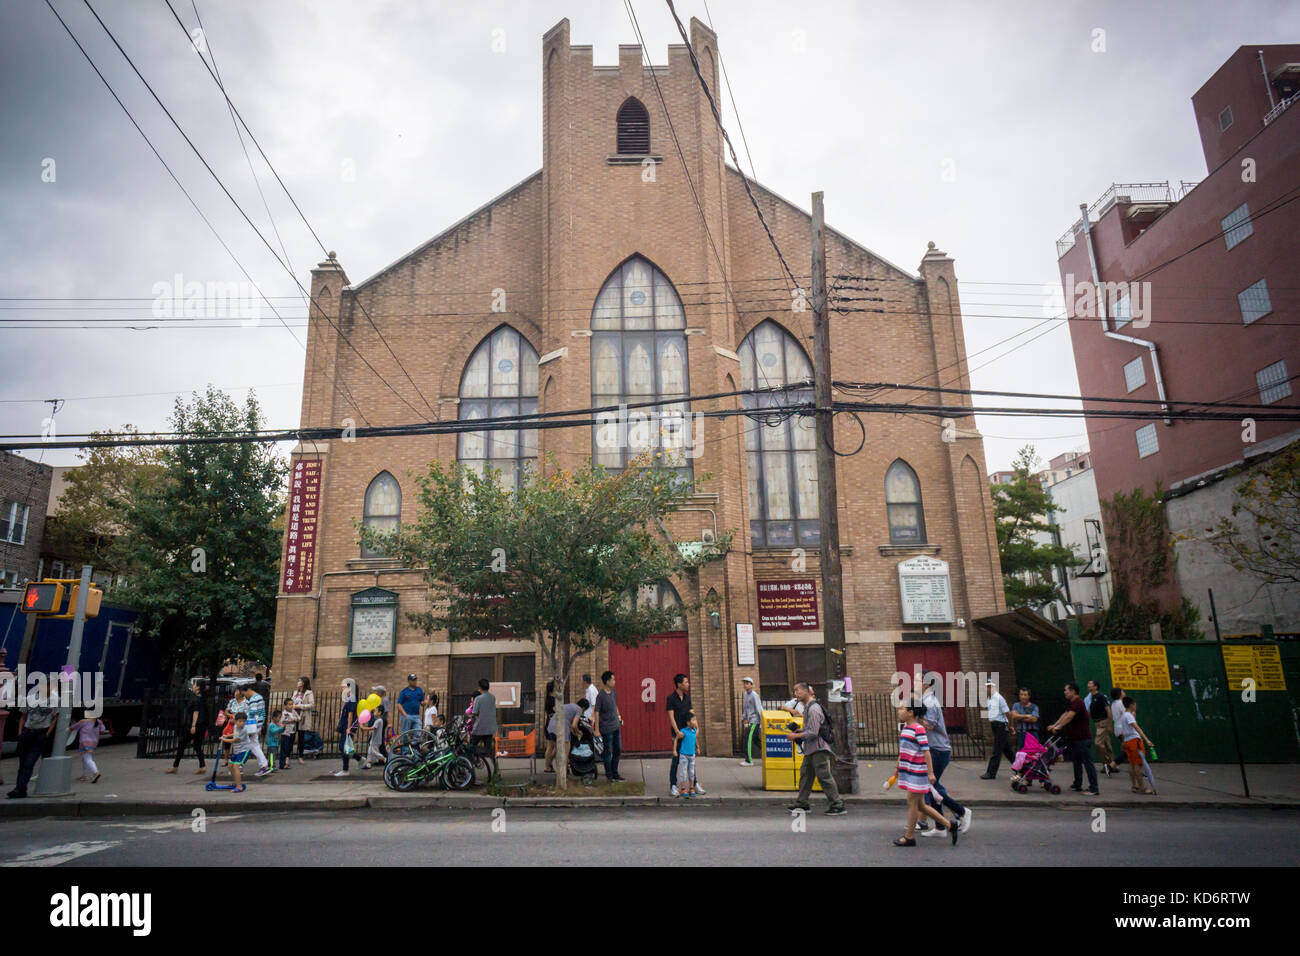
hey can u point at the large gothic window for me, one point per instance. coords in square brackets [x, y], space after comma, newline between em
[382, 510]
[903, 505]
[638, 354]
[500, 380]
[780, 454]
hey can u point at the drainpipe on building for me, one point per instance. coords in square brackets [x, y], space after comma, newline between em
[1105, 318]
[320, 600]
[1267, 85]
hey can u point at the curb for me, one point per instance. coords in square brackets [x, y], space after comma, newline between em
[55, 807]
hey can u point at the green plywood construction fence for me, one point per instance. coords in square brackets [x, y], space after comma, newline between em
[1190, 722]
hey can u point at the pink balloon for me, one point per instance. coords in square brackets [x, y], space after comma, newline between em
[364, 717]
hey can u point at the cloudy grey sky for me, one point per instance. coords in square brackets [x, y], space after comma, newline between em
[871, 102]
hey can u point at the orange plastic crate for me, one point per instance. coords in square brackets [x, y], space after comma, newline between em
[516, 740]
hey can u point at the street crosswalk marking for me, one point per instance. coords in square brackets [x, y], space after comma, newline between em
[61, 853]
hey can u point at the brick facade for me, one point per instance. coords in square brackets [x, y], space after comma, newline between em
[28, 483]
[550, 242]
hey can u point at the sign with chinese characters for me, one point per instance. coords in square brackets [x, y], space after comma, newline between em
[787, 606]
[374, 624]
[926, 592]
[1260, 663]
[745, 645]
[1139, 666]
[304, 509]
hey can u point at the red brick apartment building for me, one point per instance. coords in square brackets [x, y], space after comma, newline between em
[599, 279]
[1218, 320]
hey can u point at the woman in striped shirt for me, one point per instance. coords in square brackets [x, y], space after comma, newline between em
[916, 773]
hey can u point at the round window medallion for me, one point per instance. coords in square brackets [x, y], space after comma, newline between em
[769, 359]
[638, 297]
[505, 365]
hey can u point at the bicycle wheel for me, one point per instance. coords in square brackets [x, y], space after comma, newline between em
[458, 774]
[407, 777]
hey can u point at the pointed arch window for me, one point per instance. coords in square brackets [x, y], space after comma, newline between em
[661, 595]
[633, 128]
[781, 456]
[500, 380]
[903, 505]
[638, 354]
[382, 510]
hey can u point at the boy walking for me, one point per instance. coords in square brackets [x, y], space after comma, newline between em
[239, 736]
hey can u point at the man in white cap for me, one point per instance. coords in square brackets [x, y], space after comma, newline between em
[751, 720]
[998, 712]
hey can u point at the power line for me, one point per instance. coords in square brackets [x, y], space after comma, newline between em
[240, 209]
[176, 179]
[695, 63]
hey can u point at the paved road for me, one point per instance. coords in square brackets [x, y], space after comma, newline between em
[655, 837]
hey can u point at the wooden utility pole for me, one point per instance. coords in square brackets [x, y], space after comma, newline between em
[839, 703]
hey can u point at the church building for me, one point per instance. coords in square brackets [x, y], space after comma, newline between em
[631, 267]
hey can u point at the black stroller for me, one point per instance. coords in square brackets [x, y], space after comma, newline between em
[584, 753]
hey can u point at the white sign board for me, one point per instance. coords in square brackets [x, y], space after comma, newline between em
[507, 692]
[925, 590]
[745, 645]
[372, 629]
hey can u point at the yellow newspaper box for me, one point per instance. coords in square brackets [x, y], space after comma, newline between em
[781, 757]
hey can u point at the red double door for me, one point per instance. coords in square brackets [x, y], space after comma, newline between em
[944, 658]
[644, 678]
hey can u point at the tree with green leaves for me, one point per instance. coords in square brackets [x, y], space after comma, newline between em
[89, 526]
[201, 538]
[1022, 509]
[1262, 536]
[562, 561]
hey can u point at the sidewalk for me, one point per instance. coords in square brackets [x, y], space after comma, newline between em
[132, 786]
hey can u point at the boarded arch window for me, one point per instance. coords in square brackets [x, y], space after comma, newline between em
[383, 509]
[633, 128]
[903, 503]
[780, 455]
[638, 354]
[500, 380]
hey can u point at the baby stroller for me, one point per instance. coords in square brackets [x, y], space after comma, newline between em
[1033, 765]
[584, 754]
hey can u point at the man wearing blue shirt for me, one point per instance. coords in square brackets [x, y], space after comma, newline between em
[408, 705]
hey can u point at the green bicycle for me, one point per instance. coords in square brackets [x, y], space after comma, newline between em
[447, 768]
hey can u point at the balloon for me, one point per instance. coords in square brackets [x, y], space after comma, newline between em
[373, 701]
[364, 717]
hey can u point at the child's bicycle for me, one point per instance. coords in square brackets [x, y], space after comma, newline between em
[447, 768]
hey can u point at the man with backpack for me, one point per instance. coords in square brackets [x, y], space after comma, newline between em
[1102, 725]
[816, 737]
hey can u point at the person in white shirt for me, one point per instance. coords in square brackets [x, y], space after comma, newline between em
[793, 706]
[430, 711]
[997, 714]
[591, 692]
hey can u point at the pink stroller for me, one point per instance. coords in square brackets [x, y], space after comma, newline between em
[1033, 765]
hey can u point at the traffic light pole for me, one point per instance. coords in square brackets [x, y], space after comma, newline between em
[56, 770]
[839, 703]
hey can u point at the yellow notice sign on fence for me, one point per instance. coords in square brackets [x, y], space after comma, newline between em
[1139, 667]
[1256, 662]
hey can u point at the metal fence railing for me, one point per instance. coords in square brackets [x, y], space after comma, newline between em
[160, 724]
[876, 722]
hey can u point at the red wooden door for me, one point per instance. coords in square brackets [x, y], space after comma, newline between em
[944, 657]
[645, 679]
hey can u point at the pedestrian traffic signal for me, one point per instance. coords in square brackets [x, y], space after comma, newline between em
[93, 598]
[43, 597]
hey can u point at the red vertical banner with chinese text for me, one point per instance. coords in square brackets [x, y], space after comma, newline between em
[304, 508]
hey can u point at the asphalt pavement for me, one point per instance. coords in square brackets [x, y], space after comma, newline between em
[656, 836]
